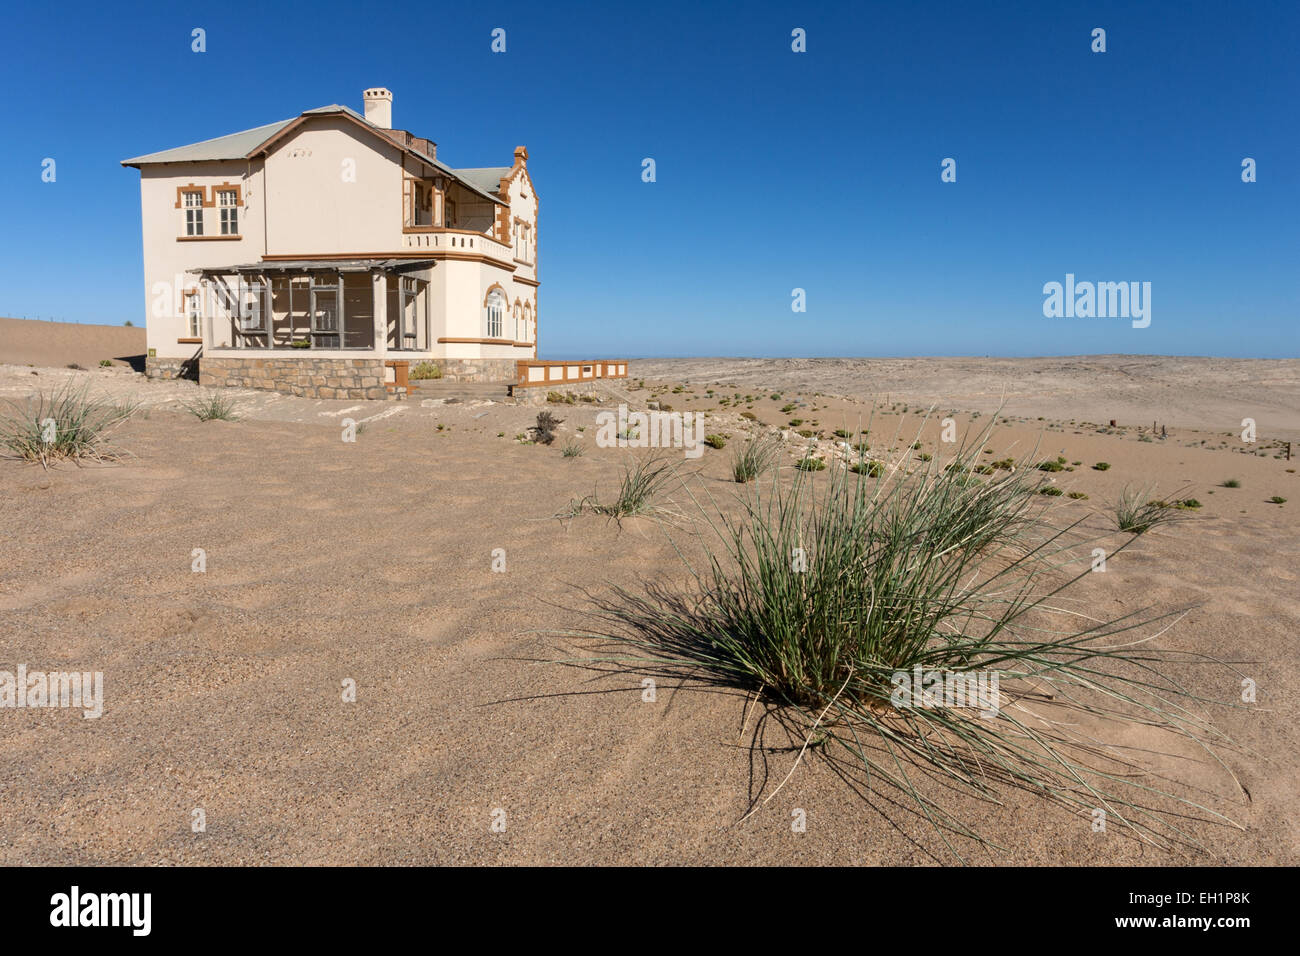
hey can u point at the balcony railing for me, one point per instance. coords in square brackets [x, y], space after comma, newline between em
[457, 241]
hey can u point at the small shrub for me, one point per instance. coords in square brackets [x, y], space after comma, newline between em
[105, 363]
[715, 441]
[750, 415]
[544, 430]
[1232, 483]
[559, 398]
[1077, 496]
[1051, 490]
[872, 469]
[1101, 466]
[1050, 466]
[421, 372]
[1277, 500]
[809, 463]
[796, 422]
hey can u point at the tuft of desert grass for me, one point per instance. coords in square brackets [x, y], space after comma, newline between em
[63, 425]
[1137, 513]
[213, 406]
[816, 599]
[755, 457]
[643, 485]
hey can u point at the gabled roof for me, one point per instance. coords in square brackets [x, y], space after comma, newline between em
[486, 178]
[250, 142]
[233, 146]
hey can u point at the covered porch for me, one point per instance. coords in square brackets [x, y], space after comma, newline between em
[361, 307]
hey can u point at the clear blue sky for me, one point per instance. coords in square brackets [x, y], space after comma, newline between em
[775, 170]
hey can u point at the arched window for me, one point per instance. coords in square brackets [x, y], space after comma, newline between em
[496, 311]
[528, 323]
[519, 322]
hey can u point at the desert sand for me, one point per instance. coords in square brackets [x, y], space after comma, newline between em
[371, 561]
[56, 344]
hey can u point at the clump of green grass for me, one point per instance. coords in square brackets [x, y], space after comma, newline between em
[1136, 514]
[716, 441]
[1277, 500]
[931, 572]
[213, 406]
[1051, 490]
[1077, 495]
[64, 425]
[560, 398]
[571, 449]
[422, 370]
[871, 469]
[643, 485]
[753, 458]
[1232, 483]
[810, 463]
[1101, 466]
[105, 363]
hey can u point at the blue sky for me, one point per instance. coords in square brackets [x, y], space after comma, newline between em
[775, 170]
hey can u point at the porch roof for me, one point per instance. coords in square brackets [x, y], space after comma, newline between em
[318, 265]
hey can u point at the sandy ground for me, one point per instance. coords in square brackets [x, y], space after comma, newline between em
[371, 561]
[1208, 393]
[28, 341]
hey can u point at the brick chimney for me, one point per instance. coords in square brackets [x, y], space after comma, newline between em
[379, 107]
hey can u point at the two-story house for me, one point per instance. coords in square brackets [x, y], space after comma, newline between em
[314, 255]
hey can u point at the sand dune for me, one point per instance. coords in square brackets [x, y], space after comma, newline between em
[56, 344]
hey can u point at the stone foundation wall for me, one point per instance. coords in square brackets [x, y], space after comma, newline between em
[472, 370]
[541, 395]
[155, 367]
[309, 377]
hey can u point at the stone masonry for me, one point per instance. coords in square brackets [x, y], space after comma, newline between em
[309, 377]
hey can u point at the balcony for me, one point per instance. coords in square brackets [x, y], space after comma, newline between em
[455, 243]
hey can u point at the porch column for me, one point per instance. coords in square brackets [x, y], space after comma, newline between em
[208, 308]
[379, 290]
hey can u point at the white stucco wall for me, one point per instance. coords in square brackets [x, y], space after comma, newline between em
[169, 256]
[329, 189]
